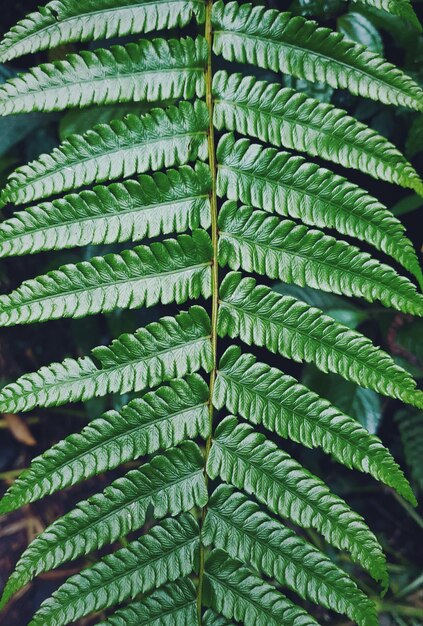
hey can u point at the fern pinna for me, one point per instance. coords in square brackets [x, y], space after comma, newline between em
[211, 170]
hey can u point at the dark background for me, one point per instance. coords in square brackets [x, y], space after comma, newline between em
[23, 138]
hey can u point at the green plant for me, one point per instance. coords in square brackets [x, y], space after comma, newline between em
[239, 552]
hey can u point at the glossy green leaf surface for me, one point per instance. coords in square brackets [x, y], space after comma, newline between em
[162, 138]
[163, 350]
[158, 420]
[236, 524]
[170, 484]
[245, 458]
[286, 326]
[174, 603]
[164, 203]
[174, 270]
[156, 195]
[238, 593]
[290, 186]
[291, 44]
[290, 119]
[149, 71]
[62, 22]
[165, 553]
[266, 396]
[280, 249]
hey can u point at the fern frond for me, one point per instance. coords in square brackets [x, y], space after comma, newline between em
[158, 420]
[162, 138]
[164, 554]
[280, 249]
[237, 525]
[174, 270]
[65, 21]
[264, 395]
[280, 183]
[169, 348]
[402, 8]
[284, 325]
[174, 201]
[237, 593]
[246, 459]
[165, 146]
[148, 71]
[291, 119]
[293, 45]
[169, 484]
[174, 604]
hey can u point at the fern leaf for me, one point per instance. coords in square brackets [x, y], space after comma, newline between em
[174, 604]
[237, 525]
[148, 71]
[158, 420]
[162, 138]
[170, 484]
[61, 22]
[169, 348]
[293, 45]
[174, 270]
[288, 185]
[280, 249]
[237, 593]
[164, 203]
[264, 395]
[167, 552]
[291, 119]
[246, 459]
[297, 331]
[402, 8]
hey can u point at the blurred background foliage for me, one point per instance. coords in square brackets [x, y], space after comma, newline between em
[26, 348]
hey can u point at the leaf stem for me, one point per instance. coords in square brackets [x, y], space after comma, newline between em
[215, 272]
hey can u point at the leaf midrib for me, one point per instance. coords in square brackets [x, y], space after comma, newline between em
[314, 260]
[102, 286]
[335, 522]
[46, 473]
[286, 556]
[98, 217]
[94, 374]
[165, 487]
[366, 217]
[325, 58]
[17, 185]
[332, 347]
[57, 23]
[89, 80]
